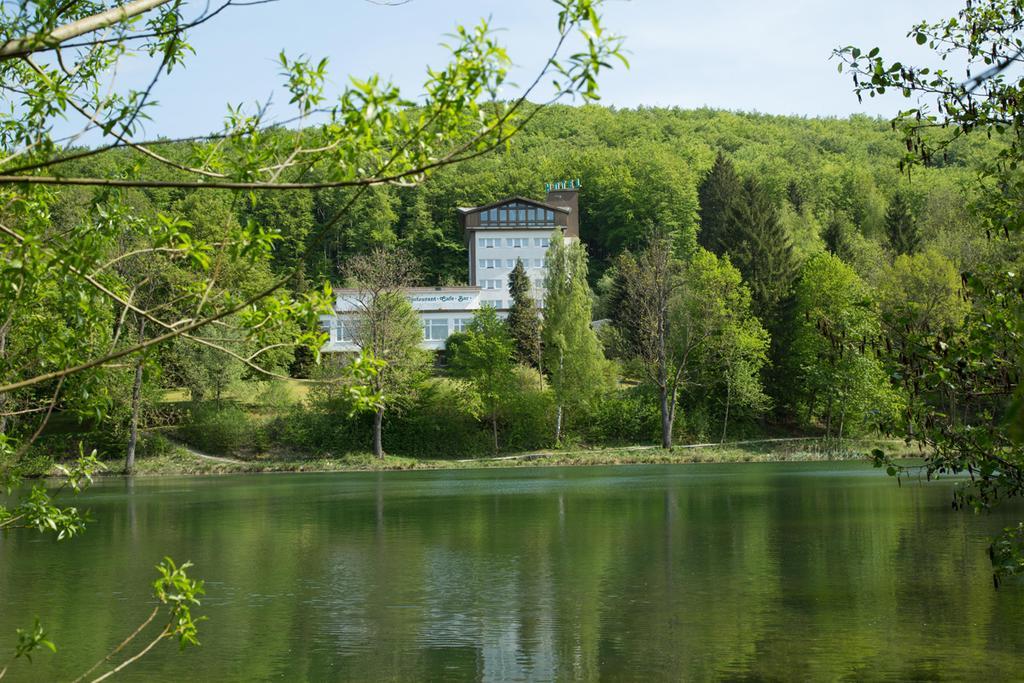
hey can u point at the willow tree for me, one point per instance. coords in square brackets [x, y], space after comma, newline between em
[573, 357]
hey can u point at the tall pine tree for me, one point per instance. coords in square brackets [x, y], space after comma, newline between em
[762, 250]
[900, 225]
[523, 318]
[717, 193]
[837, 235]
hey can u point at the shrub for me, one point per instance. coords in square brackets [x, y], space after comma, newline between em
[154, 446]
[221, 429]
[275, 397]
[622, 417]
[528, 413]
[440, 423]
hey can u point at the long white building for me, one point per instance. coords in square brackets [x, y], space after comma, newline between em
[497, 235]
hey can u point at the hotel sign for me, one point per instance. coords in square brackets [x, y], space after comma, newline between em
[447, 302]
[422, 301]
[559, 185]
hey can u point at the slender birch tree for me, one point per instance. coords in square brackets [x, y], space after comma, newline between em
[573, 357]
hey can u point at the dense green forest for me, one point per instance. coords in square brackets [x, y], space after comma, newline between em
[640, 168]
[828, 248]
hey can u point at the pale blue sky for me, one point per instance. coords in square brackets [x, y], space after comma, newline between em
[768, 56]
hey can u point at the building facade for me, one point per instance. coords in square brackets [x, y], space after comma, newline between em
[497, 236]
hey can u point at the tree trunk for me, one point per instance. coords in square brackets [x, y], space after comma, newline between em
[725, 421]
[666, 419]
[133, 435]
[828, 419]
[378, 423]
[3, 353]
[558, 413]
[558, 425]
[494, 425]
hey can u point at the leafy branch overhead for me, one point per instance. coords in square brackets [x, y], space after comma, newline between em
[64, 72]
[966, 401]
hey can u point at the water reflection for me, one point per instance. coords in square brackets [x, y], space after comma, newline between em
[742, 571]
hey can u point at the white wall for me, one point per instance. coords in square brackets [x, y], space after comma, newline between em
[448, 307]
[531, 256]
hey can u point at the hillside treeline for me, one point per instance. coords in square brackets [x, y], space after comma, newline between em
[807, 228]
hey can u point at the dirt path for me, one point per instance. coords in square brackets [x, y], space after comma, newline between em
[203, 456]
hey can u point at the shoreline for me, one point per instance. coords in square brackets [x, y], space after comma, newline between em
[184, 461]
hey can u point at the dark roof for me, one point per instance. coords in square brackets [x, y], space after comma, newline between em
[509, 200]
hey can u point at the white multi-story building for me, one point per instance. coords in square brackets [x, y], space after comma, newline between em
[497, 236]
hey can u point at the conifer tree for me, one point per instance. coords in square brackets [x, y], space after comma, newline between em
[573, 356]
[624, 314]
[900, 225]
[429, 244]
[523, 318]
[763, 249]
[837, 235]
[717, 193]
[795, 196]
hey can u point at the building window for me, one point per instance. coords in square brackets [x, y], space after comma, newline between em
[517, 213]
[490, 284]
[538, 263]
[491, 303]
[489, 242]
[517, 242]
[342, 330]
[461, 324]
[435, 329]
[490, 263]
[542, 242]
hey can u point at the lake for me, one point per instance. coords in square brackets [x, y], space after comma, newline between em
[813, 571]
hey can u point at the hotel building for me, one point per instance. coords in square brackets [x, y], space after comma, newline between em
[497, 235]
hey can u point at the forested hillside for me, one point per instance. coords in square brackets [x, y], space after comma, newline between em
[640, 169]
[807, 251]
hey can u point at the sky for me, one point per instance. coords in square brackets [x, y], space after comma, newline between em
[769, 56]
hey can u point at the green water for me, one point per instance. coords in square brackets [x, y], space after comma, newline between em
[785, 571]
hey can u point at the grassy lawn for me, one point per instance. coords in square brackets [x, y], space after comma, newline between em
[297, 389]
[179, 460]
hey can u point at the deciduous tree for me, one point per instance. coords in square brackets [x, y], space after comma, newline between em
[573, 357]
[484, 356]
[387, 328]
[950, 103]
